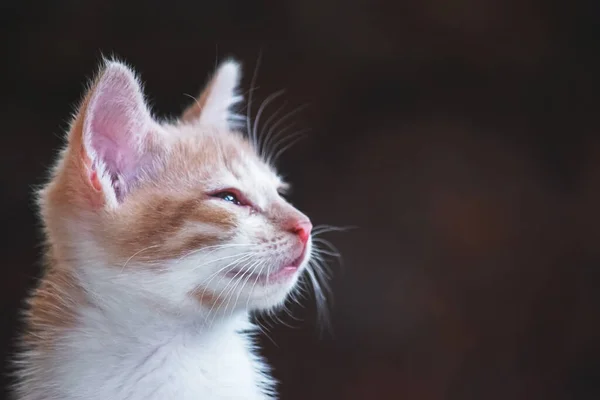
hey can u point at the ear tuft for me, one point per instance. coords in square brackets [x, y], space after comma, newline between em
[213, 105]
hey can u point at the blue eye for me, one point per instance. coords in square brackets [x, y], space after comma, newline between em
[229, 197]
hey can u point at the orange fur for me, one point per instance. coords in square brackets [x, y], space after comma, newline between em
[155, 229]
[150, 226]
[150, 220]
[53, 307]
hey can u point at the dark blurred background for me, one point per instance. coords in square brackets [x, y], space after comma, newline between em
[459, 136]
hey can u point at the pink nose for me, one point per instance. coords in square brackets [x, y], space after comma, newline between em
[302, 229]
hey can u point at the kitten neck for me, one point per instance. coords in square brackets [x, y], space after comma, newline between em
[117, 307]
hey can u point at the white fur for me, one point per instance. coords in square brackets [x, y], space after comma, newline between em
[143, 338]
[142, 335]
[222, 96]
[149, 359]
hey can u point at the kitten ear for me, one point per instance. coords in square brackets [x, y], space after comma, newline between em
[213, 105]
[117, 131]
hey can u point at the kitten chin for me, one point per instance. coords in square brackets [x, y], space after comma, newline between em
[152, 228]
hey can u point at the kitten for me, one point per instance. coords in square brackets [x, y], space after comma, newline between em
[161, 237]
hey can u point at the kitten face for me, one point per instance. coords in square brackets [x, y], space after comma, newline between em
[185, 214]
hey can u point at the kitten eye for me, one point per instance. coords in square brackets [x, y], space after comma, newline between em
[229, 197]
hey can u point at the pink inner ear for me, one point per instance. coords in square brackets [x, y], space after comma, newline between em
[117, 127]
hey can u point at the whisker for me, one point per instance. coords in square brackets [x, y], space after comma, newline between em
[321, 271]
[249, 253]
[278, 135]
[221, 293]
[327, 243]
[250, 271]
[320, 299]
[281, 121]
[280, 140]
[254, 286]
[267, 318]
[326, 252]
[277, 319]
[135, 254]
[297, 137]
[243, 257]
[254, 268]
[231, 265]
[288, 313]
[320, 267]
[270, 120]
[320, 229]
[213, 248]
[262, 107]
[249, 106]
[264, 332]
[300, 291]
[246, 270]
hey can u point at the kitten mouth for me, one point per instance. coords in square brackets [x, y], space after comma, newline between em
[284, 272]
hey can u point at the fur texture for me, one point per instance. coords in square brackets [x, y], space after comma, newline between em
[161, 238]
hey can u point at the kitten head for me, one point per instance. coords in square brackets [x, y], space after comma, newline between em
[184, 214]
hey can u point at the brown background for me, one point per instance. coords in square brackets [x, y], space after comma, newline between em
[460, 136]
